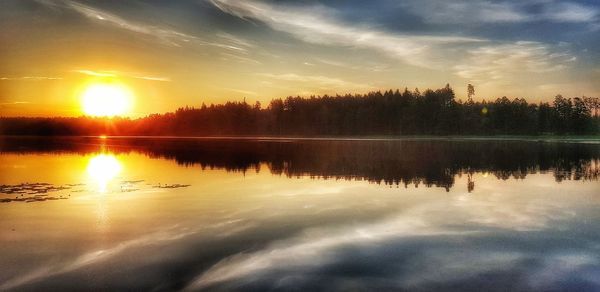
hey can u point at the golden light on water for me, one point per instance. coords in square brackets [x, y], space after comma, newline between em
[106, 100]
[102, 169]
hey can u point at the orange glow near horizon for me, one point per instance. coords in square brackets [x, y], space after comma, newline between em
[106, 100]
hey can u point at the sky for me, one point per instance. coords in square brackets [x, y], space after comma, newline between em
[188, 52]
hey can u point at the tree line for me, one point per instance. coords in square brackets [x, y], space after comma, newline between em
[433, 112]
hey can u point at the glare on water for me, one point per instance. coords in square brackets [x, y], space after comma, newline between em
[103, 168]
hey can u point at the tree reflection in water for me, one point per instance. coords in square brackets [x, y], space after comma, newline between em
[434, 162]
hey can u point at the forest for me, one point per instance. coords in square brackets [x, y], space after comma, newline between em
[388, 113]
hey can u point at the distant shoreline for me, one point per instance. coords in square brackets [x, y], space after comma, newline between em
[541, 138]
[375, 115]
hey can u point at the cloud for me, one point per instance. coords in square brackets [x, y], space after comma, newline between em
[31, 78]
[245, 92]
[15, 103]
[95, 73]
[124, 74]
[152, 78]
[467, 57]
[503, 62]
[569, 12]
[373, 67]
[460, 11]
[168, 36]
[318, 81]
[235, 40]
[484, 11]
[242, 59]
[165, 35]
[474, 59]
[318, 25]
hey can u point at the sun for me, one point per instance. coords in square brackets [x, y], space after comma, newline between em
[106, 100]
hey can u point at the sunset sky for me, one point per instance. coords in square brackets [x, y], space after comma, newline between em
[176, 53]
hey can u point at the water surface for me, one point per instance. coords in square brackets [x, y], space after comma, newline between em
[285, 214]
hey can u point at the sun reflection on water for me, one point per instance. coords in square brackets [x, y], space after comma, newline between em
[103, 168]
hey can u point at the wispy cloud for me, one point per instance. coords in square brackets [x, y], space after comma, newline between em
[485, 11]
[165, 35]
[501, 63]
[366, 67]
[318, 81]
[31, 78]
[240, 42]
[95, 73]
[570, 12]
[152, 78]
[460, 11]
[15, 103]
[242, 59]
[246, 92]
[123, 74]
[168, 36]
[319, 25]
[474, 59]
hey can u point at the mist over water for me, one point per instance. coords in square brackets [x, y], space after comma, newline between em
[298, 214]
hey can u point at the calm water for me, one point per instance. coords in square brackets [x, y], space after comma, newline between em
[199, 214]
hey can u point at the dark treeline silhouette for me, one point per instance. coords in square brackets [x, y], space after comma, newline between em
[433, 112]
[405, 162]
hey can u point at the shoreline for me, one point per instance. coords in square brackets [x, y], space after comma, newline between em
[544, 138]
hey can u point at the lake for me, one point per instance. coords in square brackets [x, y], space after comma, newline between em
[157, 214]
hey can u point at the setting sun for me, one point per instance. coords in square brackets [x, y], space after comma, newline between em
[106, 100]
